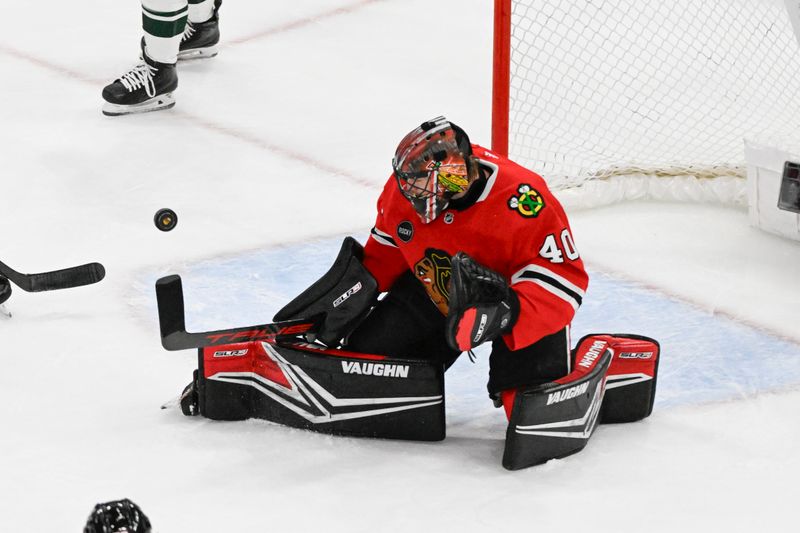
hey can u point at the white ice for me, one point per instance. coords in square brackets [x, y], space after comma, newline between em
[286, 137]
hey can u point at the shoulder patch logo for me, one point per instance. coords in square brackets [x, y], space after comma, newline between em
[448, 218]
[529, 203]
[405, 230]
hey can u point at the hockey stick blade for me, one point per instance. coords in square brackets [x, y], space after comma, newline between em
[172, 321]
[66, 278]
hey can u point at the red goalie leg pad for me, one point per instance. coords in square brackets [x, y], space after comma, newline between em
[245, 357]
[309, 386]
[556, 419]
[220, 402]
[631, 378]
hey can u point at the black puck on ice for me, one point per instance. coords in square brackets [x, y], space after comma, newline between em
[166, 219]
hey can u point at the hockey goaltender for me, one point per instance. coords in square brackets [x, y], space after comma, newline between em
[468, 248]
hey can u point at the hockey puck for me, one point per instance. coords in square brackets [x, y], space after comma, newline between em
[166, 219]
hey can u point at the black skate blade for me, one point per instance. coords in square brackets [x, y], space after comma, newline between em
[161, 102]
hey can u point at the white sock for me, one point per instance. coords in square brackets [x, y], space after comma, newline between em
[200, 10]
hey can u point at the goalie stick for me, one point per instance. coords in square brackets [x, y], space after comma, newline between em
[57, 279]
[172, 320]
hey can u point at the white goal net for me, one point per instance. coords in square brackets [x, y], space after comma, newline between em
[660, 92]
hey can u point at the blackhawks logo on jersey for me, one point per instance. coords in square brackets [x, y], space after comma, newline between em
[529, 203]
[433, 271]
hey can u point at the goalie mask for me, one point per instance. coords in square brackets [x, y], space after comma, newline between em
[431, 165]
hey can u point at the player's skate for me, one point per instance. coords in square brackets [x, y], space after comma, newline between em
[146, 87]
[200, 39]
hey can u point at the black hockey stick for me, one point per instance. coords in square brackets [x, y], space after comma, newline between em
[57, 279]
[172, 319]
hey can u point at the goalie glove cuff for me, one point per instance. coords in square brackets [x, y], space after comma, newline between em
[482, 305]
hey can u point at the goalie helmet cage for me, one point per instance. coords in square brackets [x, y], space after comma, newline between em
[618, 99]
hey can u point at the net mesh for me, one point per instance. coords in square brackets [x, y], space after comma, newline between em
[608, 88]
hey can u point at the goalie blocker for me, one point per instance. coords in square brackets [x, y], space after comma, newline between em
[308, 386]
[613, 381]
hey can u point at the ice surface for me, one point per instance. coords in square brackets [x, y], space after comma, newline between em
[275, 149]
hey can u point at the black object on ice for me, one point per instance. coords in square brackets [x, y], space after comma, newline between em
[165, 219]
[5, 289]
[171, 318]
[58, 279]
[119, 516]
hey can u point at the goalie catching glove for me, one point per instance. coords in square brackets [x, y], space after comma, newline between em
[482, 305]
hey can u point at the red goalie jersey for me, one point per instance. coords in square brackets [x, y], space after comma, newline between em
[515, 227]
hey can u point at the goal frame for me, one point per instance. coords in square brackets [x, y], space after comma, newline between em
[716, 184]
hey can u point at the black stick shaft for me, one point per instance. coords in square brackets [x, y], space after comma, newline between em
[66, 278]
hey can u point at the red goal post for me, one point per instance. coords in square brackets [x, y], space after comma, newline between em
[501, 75]
[658, 96]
